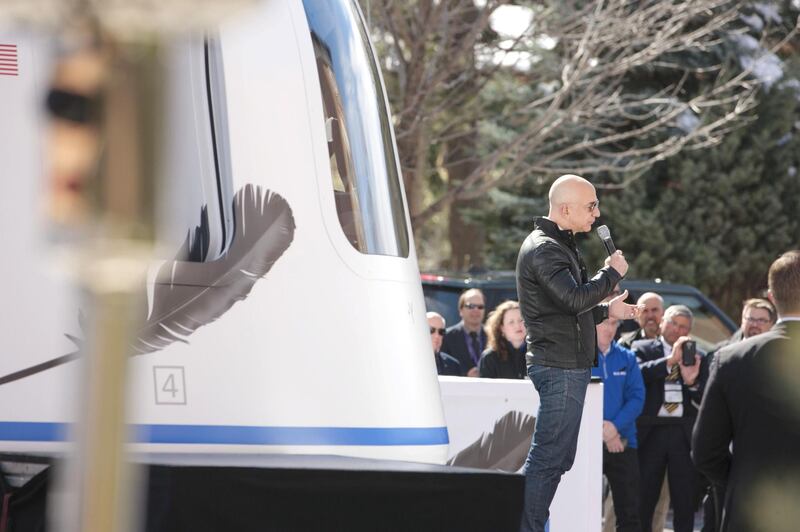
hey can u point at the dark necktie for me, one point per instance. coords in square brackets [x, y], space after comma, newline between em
[476, 347]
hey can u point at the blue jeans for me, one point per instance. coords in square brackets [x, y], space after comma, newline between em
[555, 438]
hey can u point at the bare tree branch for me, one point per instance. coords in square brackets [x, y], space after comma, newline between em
[580, 112]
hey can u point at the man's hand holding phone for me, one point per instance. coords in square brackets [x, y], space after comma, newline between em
[688, 352]
[684, 352]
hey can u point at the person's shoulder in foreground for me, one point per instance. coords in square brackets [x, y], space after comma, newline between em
[752, 395]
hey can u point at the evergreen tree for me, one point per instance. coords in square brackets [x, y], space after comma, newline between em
[717, 218]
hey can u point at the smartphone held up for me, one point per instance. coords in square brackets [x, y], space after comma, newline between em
[688, 353]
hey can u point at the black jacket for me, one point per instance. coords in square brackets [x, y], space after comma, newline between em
[653, 364]
[738, 336]
[493, 367]
[559, 303]
[751, 401]
[626, 339]
[455, 344]
[447, 365]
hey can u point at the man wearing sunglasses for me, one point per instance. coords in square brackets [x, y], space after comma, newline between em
[466, 340]
[445, 364]
[561, 306]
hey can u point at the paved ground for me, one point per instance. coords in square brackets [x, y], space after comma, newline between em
[698, 522]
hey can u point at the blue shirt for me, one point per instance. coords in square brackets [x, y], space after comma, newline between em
[623, 390]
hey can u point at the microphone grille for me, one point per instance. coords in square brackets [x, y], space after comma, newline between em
[603, 232]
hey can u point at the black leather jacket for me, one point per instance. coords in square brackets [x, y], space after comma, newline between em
[559, 304]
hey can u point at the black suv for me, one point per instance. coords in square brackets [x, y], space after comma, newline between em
[711, 325]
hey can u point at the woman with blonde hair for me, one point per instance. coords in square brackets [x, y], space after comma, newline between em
[505, 356]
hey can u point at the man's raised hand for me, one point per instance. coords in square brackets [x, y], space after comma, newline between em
[617, 308]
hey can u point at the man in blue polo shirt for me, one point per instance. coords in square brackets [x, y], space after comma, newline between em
[623, 398]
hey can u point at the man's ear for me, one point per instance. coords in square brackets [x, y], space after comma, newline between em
[771, 298]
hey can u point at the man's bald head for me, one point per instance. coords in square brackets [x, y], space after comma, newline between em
[652, 313]
[573, 203]
[565, 188]
[648, 297]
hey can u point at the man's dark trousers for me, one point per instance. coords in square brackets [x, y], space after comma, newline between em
[666, 449]
[622, 472]
[555, 438]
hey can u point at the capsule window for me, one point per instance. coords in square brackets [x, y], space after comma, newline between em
[365, 179]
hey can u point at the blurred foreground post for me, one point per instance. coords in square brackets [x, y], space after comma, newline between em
[105, 196]
[104, 140]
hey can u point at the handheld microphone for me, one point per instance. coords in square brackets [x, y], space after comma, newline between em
[605, 236]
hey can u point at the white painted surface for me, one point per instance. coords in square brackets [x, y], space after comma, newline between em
[330, 338]
[471, 408]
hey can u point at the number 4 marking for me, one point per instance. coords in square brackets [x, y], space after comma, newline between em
[170, 385]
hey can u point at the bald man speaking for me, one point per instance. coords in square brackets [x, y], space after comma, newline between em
[561, 306]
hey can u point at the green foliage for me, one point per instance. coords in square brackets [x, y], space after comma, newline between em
[717, 218]
[512, 218]
[714, 218]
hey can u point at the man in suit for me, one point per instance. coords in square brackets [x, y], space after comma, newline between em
[445, 364]
[747, 437]
[758, 317]
[672, 395]
[652, 313]
[466, 340]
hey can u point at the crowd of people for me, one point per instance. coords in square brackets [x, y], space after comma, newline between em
[672, 413]
[469, 348]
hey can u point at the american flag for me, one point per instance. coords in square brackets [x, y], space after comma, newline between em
[9, 63]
